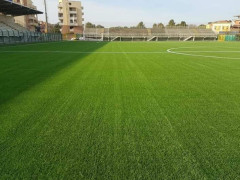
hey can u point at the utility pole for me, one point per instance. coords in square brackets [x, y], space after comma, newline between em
[46, 17]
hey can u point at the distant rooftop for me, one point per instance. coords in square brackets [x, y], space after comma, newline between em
[222, 21]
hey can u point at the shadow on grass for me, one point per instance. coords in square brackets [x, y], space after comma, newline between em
[20, 71]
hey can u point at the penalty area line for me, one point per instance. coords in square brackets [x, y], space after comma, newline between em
[197, 55]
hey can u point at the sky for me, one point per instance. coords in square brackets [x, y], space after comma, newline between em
[130, 12]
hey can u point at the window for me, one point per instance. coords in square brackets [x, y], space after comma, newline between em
[72, 9]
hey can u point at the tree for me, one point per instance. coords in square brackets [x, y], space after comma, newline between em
[202, 26]
[52, 28]
[160, 25]
[171, 23]
[155, 25]
[141, 25]
[183, 23]
[90, 25]
[99, 26]
[57, 28]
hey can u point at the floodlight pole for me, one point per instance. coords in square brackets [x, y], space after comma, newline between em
[46, 16]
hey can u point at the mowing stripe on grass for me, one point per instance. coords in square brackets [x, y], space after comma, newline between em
[68, 114]
[32, 44]
[76, 52]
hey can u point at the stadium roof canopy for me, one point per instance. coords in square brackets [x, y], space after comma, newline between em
[10, 8]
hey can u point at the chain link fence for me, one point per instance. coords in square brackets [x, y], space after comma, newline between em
[19, 37]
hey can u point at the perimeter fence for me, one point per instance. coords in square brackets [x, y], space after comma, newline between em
[18, 37]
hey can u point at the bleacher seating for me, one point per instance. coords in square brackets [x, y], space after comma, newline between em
[156, 31]
[11, 27]
[94, 30]
[4, 26]
[128, 32]
[12, 33]
[7, 24]
[17, 27]
[177, 33]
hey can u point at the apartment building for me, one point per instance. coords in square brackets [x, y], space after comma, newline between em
[30, 22]
[220, 26]
[236, 23]
[70, 14]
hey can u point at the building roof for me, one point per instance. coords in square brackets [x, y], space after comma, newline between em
[221, 22]
[8, 7]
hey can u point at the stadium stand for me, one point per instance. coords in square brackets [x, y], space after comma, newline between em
[128, 32]
[8, 7]
[154, 34]
[11, 32]
[94, 33]
[7, 22]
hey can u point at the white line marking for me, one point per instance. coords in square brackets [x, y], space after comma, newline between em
[212, 51]
[195, 55]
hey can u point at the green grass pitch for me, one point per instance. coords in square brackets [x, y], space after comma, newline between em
[120, 110]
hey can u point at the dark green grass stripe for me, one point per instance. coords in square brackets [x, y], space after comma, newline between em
[119, 116]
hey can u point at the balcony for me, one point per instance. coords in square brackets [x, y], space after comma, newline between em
[73, 12]
[73, 18]
[73, 24]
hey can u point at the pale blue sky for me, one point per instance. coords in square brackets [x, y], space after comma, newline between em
[130, 12]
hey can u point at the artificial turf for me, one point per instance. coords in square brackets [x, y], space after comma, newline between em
[121, 110]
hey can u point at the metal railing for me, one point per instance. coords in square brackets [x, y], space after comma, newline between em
[9, 36]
